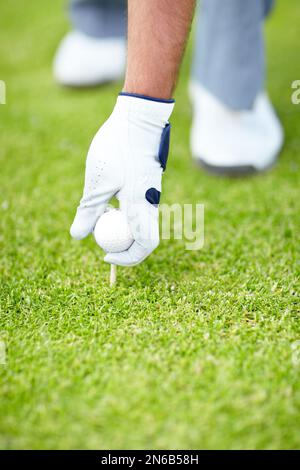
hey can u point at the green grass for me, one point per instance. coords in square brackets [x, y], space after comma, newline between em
[192, 349]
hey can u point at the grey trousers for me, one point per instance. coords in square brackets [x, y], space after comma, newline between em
[229, 55]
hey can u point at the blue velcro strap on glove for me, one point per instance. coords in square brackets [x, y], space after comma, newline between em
[164, 146]
[153, 196]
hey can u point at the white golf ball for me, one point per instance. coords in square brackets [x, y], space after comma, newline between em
[112, 232]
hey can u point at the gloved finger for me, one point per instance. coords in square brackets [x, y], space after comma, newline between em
[85, 220]
[88, 213]
[134, 255]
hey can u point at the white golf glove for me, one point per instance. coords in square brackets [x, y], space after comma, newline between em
[126, 159]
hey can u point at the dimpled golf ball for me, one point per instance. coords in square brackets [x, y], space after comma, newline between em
[112, 232]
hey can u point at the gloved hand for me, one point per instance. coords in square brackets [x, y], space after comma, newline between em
[126, 158]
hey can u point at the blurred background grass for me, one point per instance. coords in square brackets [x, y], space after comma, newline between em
[193, 349]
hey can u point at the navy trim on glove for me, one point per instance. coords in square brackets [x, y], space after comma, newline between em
[164, 146]
[145, 97]
[153, 196]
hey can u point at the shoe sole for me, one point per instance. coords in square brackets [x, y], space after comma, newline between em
[233, 171]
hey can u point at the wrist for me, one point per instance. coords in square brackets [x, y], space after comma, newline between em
[160, 92]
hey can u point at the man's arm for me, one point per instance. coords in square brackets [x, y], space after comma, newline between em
[129, 152]
[157, 34]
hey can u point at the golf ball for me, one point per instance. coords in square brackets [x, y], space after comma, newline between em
[112, 232]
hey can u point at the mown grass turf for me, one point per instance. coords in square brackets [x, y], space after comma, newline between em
[192, 349]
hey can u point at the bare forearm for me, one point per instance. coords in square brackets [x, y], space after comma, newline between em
[157, 34]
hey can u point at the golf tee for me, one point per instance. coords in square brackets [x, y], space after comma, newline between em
[113, 274]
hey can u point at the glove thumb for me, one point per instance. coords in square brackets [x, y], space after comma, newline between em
[85, 221]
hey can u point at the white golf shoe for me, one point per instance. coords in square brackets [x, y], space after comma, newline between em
[86, 61]
[232, 142]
